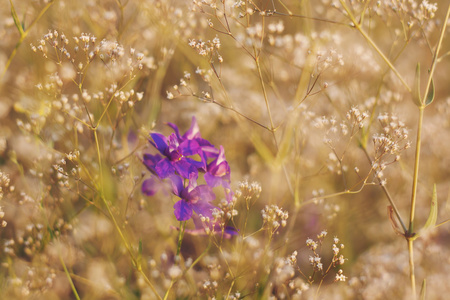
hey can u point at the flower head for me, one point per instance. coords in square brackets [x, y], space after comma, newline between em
[150, 186]
[175, 156]
[193, 198]
[181, 159]
[218, 171]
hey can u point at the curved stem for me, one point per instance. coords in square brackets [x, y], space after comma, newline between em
[168, 290]
[272, 126]
[386, 192]
[127, 245]
[372, 43]
[69, 278]
[23, 34]
[436, 53]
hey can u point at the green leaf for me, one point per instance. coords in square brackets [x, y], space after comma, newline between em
[432, 217]
[364, 137]
[16, 19]
[423, 290]
[140, 247]
[416, 88]
[263, 150]
[430, 95]
[139, 256]
[285, 144]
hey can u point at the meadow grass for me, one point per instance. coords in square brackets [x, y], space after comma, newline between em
[311, 159]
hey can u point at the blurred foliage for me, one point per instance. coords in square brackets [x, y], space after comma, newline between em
[297, 94]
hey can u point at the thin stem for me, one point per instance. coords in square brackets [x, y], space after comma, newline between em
[410, 232]
[168, 290]
[318, 288]
[263, 86]
[69, 278]
[180, 236]
[272, 127]
[416, 172]
[23, 34]
[386, 192]
[419, 127]
[412, 276]
[230, 289]
[134, 261]
[97, 145]
[108, 105]
[196, 261]
[237, 112]
[309, 18]
[180, 240]
[128, 247]
[436, 53]
[52, 234]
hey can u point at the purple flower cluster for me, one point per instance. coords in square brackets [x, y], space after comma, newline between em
[181, 160]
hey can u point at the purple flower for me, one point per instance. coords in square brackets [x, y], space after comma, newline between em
[150, 161]
[180, 159]
[192, 133]
[207, 150]
[218, 171]
[150, 186]
[193, 198]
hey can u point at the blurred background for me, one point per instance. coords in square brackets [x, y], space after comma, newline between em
[290, 89]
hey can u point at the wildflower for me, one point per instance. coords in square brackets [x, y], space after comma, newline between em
[274, 217]
[175, 161]
[150, 161]
[340, 276]
[207, 149]
[310, 243]
[175, 155]
[193, 198]
[218, 171]
[150, 186]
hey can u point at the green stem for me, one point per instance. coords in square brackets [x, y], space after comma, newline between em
[410, 232]
[177, 257]
[272, 126]
[200, 257]
[23, 34]
[168, 290]
[321, 281]
[136, 264]
[97, 145]
[58, 241]
[416, 172]
[419, 128]
[74, 289]
[134, 261]
[180, 236]
[412, 276]
[436, 53]
[263, 86]
[386, 192]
